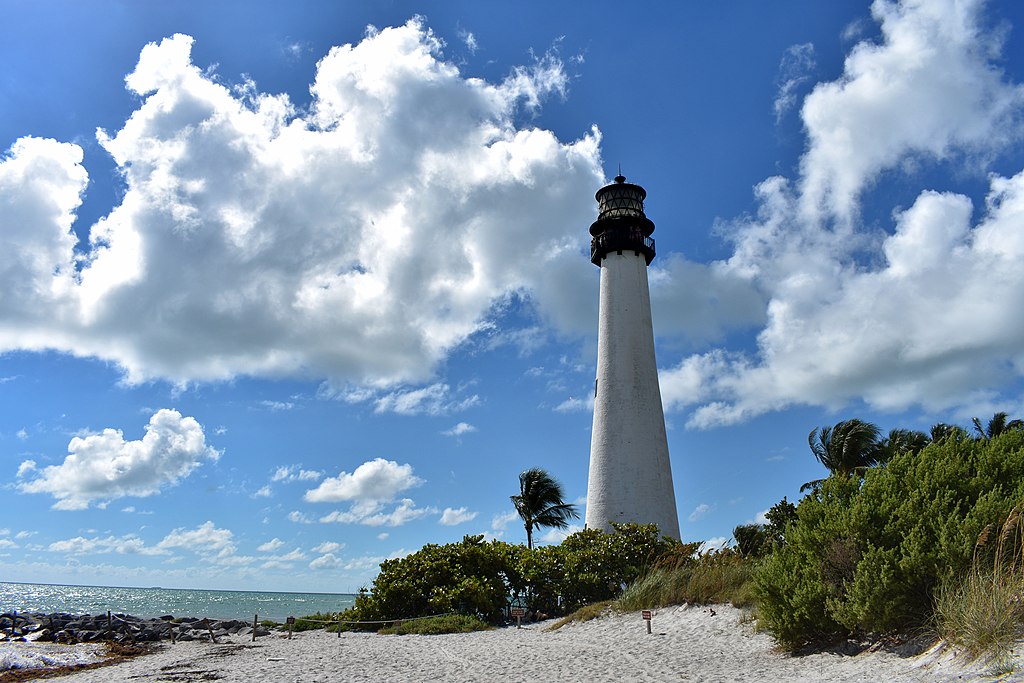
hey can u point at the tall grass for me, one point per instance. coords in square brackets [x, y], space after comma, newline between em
[716, 577]
[983, 612]
[449, 623]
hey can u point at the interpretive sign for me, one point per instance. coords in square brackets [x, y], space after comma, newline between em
[290, 621]
[518, 613]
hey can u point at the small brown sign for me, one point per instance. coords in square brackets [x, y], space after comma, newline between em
[518, 612]
[646, 614]
[290, 620]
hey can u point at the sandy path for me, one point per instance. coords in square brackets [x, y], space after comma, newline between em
[688, 644]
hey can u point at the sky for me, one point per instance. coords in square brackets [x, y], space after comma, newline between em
[287, 289]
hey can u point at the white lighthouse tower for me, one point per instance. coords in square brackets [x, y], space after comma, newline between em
[630, 474]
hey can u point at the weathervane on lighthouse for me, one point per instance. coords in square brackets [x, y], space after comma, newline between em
[630, 474]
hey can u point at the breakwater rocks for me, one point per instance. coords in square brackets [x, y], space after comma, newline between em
[120, 628]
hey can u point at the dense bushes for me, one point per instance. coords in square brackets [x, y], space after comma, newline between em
[869, 557]
[478, 579]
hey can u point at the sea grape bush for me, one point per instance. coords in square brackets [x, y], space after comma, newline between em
[868, 557]
[477, 578]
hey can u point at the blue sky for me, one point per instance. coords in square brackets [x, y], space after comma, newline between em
[286, 290]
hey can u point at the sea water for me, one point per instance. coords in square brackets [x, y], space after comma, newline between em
[155, 602]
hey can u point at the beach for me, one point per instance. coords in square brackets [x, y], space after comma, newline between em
[686, 644]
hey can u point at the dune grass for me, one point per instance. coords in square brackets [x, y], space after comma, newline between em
[717, 577]
[586, 613]
[451, 623]
[983, 612]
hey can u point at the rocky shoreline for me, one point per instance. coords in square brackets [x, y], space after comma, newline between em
[64, 628]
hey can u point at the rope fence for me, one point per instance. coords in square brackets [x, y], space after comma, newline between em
[339, 622]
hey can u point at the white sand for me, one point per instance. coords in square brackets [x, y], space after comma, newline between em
[687, 644]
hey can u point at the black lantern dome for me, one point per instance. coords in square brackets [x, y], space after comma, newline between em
[621, 224]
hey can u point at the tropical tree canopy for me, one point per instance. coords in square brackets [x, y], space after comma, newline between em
[901, 441]
[540, 503]
[848, 448]
[999, 423]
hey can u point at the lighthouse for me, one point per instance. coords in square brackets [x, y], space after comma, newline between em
[630, 474]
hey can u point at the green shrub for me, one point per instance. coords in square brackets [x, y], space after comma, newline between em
[868, 557]
[311, 622]
[751, 539]
[479, 579]
[471, 577]
[452, 623]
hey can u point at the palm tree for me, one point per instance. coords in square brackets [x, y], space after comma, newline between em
[996, 426]
[540, 503]
[942, 431]
[900, 441]
[848, 448]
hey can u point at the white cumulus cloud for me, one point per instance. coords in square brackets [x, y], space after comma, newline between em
[453, 516]
[271, 545]
[102, 467]
[459, 429]
[256, 238]
[908, 317]
[376, 480]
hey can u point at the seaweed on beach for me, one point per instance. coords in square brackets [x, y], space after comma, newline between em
[115, 654]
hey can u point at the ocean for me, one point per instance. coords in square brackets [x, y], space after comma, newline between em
[156, 602]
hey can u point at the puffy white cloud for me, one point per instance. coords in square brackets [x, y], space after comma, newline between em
[928, 88]
[326, 561]
[206, 539]
[924, 316]
[372, 513]
[360, 240]
[453, 516]
[376, 480]
[41, 182]
[328, 547]
[459, 429]
[122, 545]
[501, 521]
[299, 517]
[285, 561]
[271, 545]
[104, 466]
